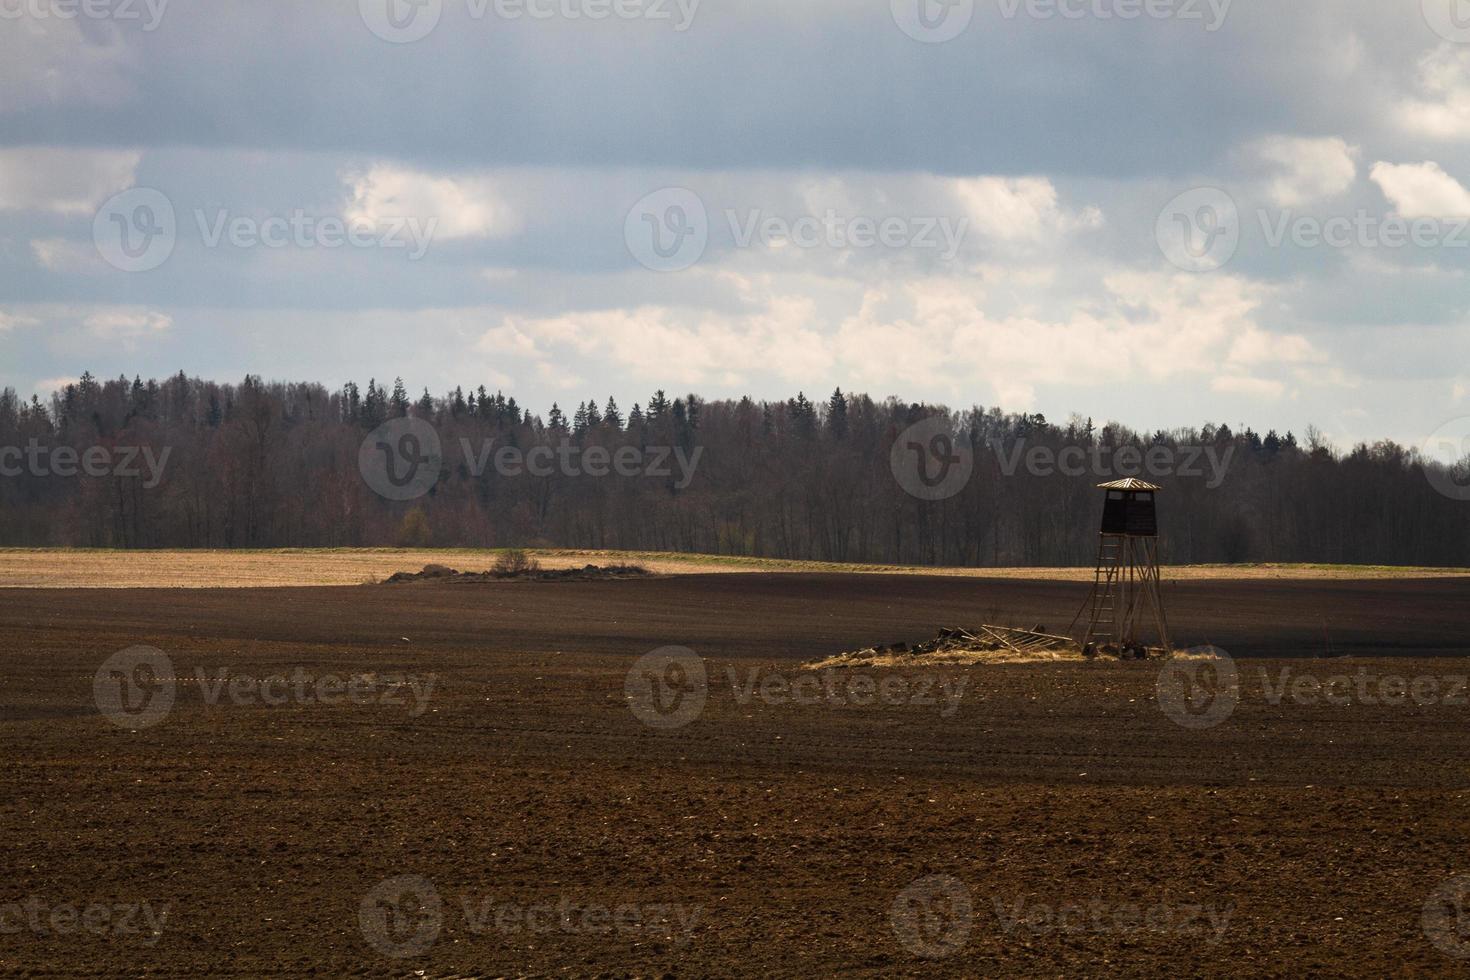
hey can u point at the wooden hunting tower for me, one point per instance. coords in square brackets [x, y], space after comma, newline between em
[1125, 588]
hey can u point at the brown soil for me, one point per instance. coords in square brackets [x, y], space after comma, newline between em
[791, 828]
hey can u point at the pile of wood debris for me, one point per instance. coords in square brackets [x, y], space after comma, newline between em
[986, 645]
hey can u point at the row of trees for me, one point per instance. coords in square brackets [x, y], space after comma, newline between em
[258, 464]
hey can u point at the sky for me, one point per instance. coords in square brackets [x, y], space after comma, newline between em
[1160, 212]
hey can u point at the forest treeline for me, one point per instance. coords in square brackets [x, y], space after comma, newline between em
[265, 465]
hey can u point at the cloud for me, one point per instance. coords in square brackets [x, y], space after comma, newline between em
[1422, 190]
[1013, 209]
[1254, 387]
[1254, 346]
[127, 325]
[63, 181]
[48, 386]
[66, 255]
[10, 321]
[462, 207]
[1444, 80]
[1308, 170]
[934, 334]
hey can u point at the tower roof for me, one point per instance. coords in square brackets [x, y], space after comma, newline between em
[1135, 486]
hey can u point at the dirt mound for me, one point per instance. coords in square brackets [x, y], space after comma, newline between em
[443, 573]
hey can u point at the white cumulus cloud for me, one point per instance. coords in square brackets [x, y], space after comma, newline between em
[1422, 190]
[1307, 170]
[127, 324]
[460, 207]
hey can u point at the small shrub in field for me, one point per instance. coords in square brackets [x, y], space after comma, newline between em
[516, 562]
